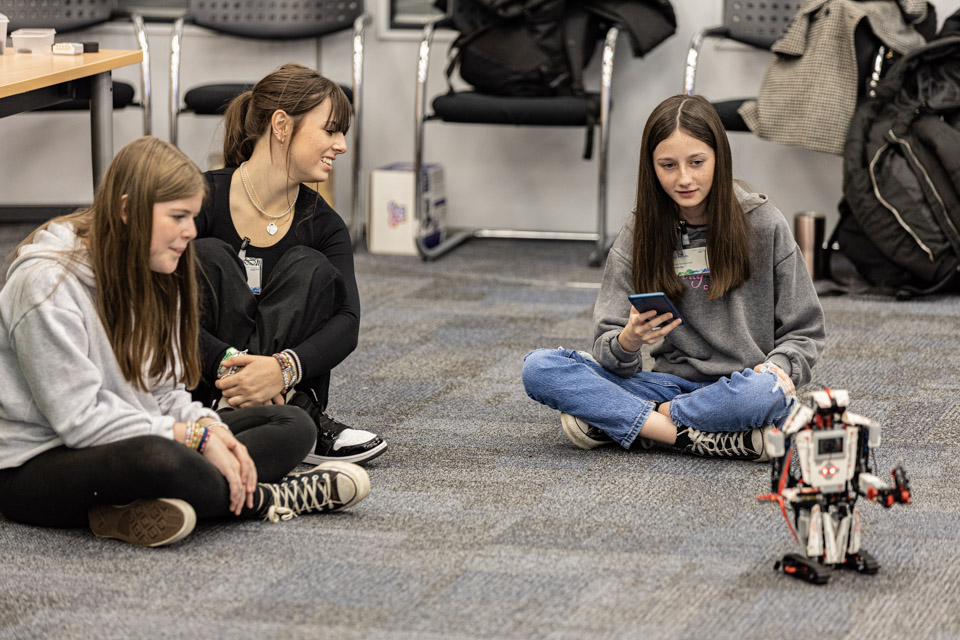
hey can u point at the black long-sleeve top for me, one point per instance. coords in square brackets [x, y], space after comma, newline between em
[316, 225]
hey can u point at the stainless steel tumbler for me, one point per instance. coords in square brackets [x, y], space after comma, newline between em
[808, 229]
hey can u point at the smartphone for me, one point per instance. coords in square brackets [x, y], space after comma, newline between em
[656, 301]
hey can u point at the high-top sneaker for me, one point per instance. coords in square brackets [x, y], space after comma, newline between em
[331, 486]
[737, 445]
[337, 442]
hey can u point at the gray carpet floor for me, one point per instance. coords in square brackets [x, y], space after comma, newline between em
[485, 522]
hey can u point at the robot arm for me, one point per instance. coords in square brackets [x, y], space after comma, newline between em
[875, 489]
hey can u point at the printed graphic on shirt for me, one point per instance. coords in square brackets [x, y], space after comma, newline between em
[693, 268]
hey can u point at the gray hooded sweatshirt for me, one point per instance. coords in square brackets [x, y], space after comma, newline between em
[61, 381]
[774, 317]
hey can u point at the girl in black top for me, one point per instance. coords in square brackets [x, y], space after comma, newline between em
[281, 307]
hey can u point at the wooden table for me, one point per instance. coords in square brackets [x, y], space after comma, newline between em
[30, 81]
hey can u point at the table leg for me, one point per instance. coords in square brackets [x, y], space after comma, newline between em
[101, 123]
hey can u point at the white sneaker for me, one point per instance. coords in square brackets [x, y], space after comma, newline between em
[582, 434]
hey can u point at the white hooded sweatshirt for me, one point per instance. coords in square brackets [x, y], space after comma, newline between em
[60, 383]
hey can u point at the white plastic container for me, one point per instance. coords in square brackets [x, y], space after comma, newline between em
[34, 40]
[3, 32]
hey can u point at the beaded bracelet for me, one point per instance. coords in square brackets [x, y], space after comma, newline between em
[204, 438]
[287, 369]
[194, 435]
[296, 361]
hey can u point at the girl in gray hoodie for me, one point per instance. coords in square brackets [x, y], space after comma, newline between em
[751, 326]
[98, 344]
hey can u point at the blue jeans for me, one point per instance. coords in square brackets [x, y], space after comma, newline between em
[573, 382]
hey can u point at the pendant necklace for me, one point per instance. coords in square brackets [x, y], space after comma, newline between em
[255, 200]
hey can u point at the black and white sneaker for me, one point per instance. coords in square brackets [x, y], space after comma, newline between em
[147, 523]
[335, 440]
[735, 445]
[331, 486]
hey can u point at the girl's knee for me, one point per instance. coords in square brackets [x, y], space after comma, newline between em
[769, 395]
[296, 422]
[308, 257]
[539, 369]
[536, 363]
[213, 250]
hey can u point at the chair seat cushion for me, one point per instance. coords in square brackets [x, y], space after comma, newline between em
[727, 110]
[122, 97]
[212, 99]
[479, 108]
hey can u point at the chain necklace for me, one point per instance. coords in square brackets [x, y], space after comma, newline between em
[258, 205]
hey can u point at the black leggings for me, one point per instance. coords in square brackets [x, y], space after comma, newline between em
[57, 487]
[303, 292]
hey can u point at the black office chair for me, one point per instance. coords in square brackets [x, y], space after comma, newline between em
[760, 23]
[272, 20]
[71, 15]
[477, 108]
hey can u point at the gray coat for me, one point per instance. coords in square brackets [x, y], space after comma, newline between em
[810, 91]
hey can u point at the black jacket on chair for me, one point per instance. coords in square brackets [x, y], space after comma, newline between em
[901, 227]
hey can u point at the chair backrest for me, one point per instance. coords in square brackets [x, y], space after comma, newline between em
[758, 22]
[62, 15]
[274, 19]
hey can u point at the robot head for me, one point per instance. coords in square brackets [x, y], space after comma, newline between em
[829, 407]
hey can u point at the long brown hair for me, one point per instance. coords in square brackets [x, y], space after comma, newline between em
[148, 316]
[292, 88]
[655, 238]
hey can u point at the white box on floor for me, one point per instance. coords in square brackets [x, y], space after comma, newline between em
[392, 228]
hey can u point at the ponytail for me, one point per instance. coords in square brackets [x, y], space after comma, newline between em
[238, 139]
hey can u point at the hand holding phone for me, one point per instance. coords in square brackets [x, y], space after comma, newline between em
[658, 302]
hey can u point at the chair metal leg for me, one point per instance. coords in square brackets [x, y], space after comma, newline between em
[146, 92]
[693, 56]
[606, 80]
[419, 116]
[176, 40]
[356, 203]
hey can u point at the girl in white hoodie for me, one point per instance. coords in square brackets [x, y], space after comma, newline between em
[98, 345]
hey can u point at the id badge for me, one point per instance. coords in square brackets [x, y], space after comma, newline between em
[692, 262]
[253, 267]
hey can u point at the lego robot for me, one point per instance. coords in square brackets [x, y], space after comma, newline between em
[822, 486]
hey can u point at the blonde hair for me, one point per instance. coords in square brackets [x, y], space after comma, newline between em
[148, 316]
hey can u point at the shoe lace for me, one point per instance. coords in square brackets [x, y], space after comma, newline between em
[299, 495]
[719, 444]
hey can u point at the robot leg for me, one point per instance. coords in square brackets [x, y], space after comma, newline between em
[856, 557]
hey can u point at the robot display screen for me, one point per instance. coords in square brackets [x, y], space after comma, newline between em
[826, 446]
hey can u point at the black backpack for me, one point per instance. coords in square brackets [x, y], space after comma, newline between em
[522, 47]
[540, 47]
[900, 217]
